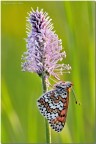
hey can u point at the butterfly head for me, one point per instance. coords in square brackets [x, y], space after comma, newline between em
[65, 85]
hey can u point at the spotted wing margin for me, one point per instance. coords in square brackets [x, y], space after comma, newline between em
[53, 106]
[43, 104]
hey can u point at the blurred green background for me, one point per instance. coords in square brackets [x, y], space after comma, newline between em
[21, 120]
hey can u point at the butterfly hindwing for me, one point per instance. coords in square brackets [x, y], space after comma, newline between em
[45, 105]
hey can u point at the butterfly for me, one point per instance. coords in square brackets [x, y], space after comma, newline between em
[53, 105]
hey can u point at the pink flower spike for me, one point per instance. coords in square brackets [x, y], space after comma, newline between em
[43, 46]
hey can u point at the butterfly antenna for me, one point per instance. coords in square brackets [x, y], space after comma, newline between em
[75, 97]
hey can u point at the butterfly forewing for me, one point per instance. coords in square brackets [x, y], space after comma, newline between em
[53, 106]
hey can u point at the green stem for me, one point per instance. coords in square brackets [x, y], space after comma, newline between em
[48, 133]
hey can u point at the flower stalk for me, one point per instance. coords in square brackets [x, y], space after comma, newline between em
[48, 132]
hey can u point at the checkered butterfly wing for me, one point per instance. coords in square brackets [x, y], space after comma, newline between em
[53, 106]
